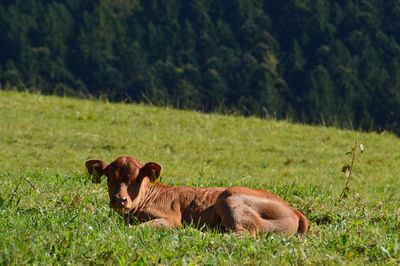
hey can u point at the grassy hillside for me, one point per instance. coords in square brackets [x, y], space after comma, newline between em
[51, 213]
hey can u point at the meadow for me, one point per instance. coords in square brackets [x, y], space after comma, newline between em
[50, 212]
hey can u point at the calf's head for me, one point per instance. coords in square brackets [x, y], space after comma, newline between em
[125, 177]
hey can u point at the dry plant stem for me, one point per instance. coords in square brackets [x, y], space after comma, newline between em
[30, 183]
[352, 161]
[14, 193]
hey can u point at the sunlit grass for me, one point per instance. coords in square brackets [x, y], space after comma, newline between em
[50, 213]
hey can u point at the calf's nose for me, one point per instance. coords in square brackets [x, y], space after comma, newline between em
[118, 202]
[124, 201]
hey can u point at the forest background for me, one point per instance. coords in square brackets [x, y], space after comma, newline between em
[335, 63]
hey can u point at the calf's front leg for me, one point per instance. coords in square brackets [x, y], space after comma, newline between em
[162, 222]
[170, 218]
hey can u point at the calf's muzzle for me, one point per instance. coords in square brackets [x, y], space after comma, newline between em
[119, 202]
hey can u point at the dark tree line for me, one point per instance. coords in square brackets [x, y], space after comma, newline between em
[333, 62]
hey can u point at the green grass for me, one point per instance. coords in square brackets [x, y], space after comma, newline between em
[50, 213]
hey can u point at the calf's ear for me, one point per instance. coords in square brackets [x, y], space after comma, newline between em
[152, 170]
[95, 169]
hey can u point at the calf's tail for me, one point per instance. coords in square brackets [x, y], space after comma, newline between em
[303, 223]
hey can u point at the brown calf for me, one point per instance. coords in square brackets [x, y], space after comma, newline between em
[133, 190]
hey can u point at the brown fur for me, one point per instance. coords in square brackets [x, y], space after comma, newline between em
[241, 209]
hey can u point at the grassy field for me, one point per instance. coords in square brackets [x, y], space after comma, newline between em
[50, 213]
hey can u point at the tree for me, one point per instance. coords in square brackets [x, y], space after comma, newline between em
[320, 100]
